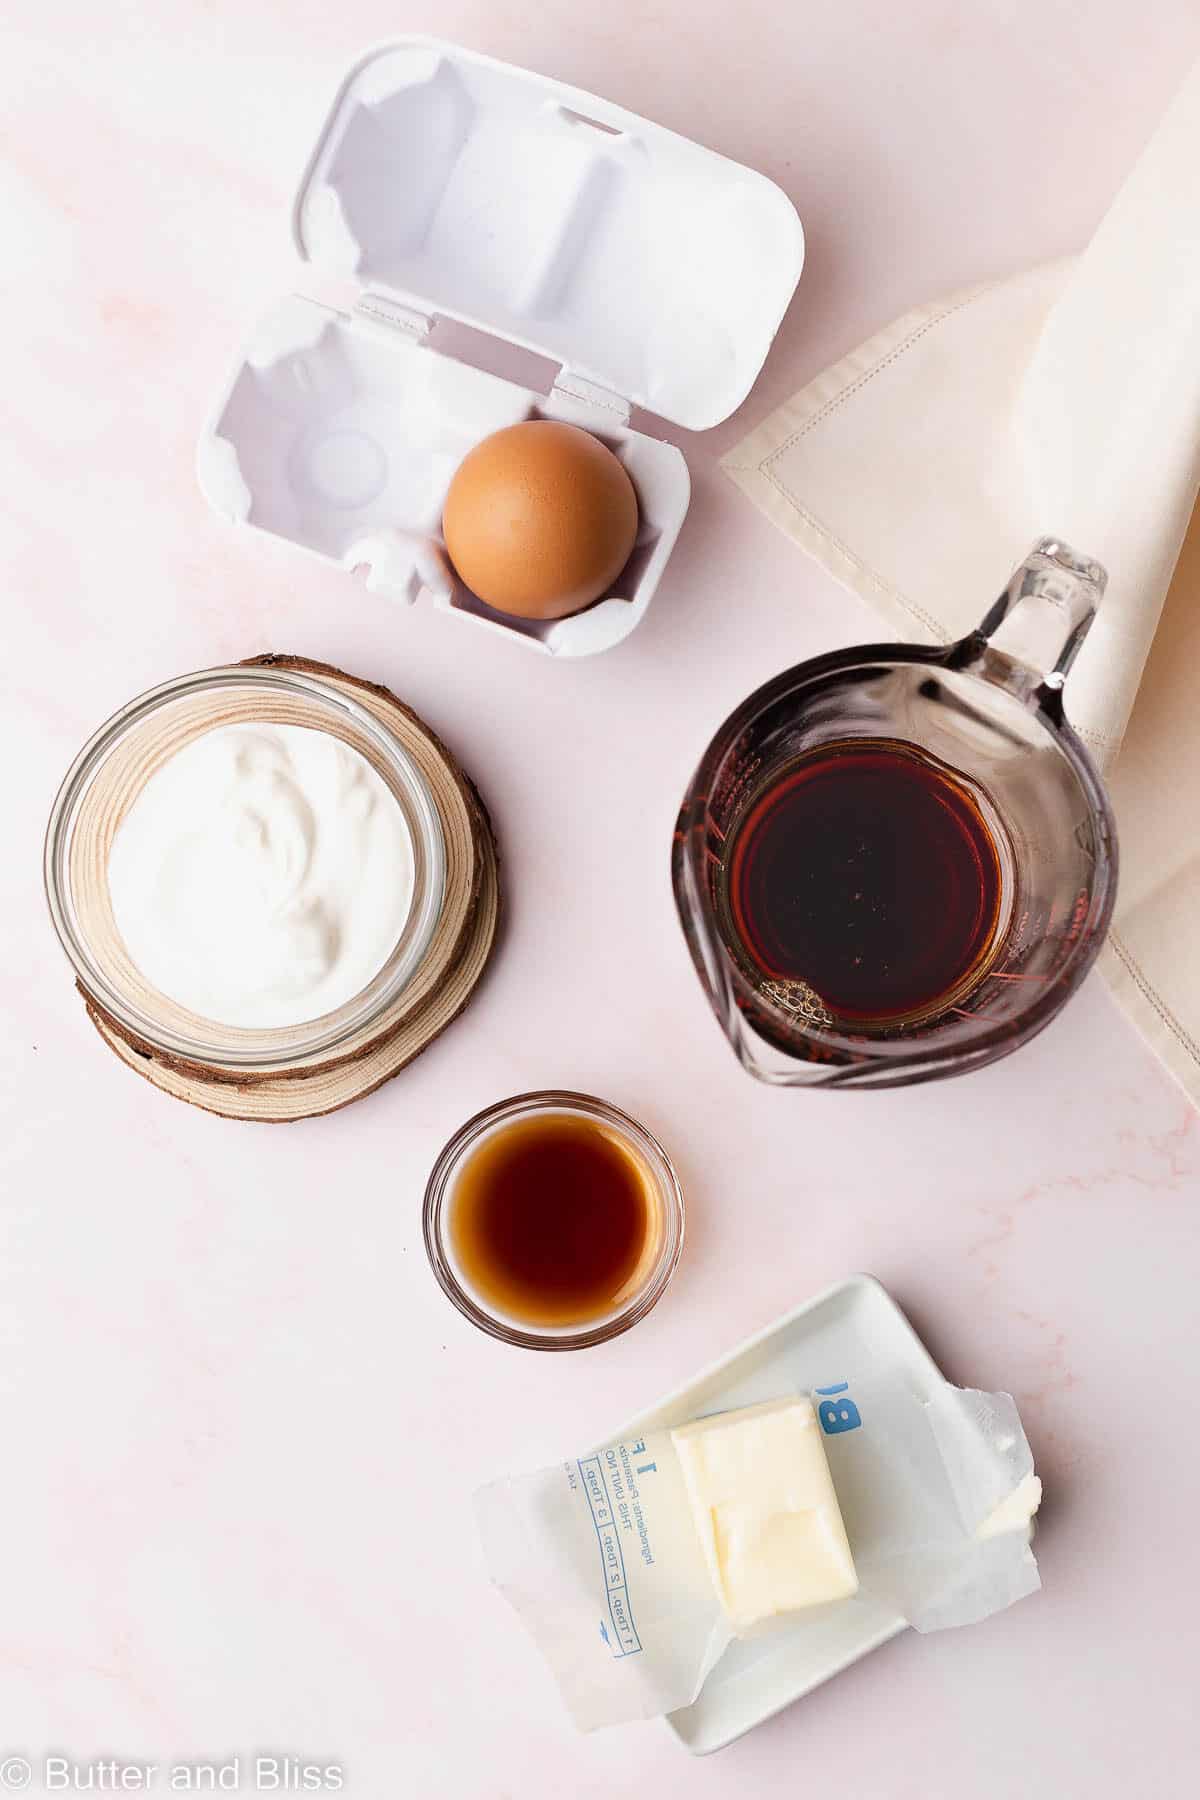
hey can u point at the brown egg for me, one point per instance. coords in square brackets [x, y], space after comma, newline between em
[540, 519]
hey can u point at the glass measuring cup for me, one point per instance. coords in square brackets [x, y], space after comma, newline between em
[989, 709]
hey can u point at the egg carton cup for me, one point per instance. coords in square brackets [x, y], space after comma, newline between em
[446, 184]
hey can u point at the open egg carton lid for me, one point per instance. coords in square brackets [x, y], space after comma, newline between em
[445, 183]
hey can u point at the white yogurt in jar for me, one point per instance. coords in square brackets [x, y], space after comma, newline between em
[262, 876]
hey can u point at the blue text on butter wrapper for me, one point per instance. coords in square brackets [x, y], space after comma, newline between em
[837, 1414]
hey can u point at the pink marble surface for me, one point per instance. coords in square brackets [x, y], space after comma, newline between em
[240, 1424]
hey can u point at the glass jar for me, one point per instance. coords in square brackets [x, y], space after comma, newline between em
[103, 783]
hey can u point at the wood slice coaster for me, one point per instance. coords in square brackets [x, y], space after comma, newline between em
[457, 956]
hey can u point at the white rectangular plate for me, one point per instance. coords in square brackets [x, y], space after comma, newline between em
[846, 1334]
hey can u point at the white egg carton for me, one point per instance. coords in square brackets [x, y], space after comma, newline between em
[444, 183]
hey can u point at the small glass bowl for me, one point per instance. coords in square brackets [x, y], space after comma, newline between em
[103, 782]
[663, 1184]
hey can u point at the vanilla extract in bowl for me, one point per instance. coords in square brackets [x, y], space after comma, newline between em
[553, 1220]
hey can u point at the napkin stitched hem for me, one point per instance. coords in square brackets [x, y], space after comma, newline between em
[1152, 998]
[802, 414]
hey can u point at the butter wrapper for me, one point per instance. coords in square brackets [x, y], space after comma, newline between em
[937, 1497]
[600, 1557]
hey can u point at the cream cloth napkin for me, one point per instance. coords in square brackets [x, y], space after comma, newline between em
[1065, 401]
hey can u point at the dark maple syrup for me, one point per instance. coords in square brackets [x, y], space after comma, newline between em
[866, 872]
[550, 1219]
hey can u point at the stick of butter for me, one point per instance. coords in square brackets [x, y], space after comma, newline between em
[764, 1506]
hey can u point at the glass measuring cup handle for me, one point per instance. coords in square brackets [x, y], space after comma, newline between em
[1028, 640]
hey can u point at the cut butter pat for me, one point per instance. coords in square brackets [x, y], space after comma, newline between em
[1016, 1512]
[764, 1506]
